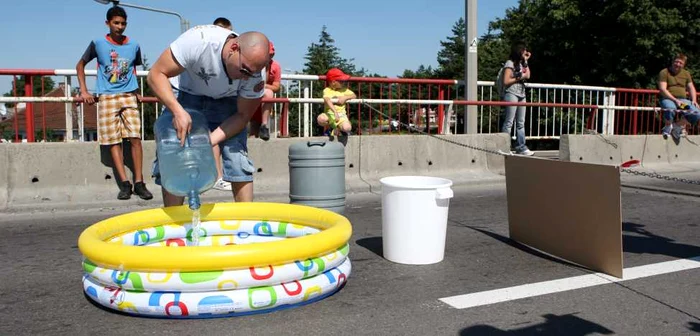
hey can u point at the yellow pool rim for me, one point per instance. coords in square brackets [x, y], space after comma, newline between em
[335, 232]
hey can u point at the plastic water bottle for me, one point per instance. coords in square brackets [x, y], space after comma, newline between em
[187, 170]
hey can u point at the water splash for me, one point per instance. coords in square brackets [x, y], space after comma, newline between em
[196, 227]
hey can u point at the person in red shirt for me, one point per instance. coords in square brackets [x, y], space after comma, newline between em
[273, 75]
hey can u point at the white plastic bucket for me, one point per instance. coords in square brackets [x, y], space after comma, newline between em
[414, 218]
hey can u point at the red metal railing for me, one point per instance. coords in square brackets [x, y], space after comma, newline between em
[374, 120]
[641, 121]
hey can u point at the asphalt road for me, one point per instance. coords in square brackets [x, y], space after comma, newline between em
[41, 292]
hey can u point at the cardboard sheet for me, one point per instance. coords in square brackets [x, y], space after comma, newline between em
[570, 210]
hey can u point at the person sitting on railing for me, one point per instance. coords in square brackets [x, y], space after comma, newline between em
[220, 77]
[334, 114]
[514, 74]
[118, 117]
[675, 85]
[260, 120]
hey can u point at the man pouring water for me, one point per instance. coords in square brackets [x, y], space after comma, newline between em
[221, 79]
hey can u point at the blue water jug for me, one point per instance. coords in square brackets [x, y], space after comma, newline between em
[187, 170]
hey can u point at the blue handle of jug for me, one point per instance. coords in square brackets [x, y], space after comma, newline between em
[316, 143]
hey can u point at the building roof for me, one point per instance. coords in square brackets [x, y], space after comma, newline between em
[52, 112]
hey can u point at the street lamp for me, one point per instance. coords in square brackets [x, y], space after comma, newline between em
[184, 24]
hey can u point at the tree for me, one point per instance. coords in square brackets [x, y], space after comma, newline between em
[324, 55]
[49, 85]
[451, 57]
[612, 43]
[320, 57]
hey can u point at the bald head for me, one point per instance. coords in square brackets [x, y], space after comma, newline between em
[255, 47]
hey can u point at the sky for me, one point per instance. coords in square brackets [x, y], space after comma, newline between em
[384, 37]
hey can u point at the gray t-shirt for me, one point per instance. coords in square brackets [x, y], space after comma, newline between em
[517, 89]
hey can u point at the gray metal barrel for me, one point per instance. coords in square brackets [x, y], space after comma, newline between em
[317, 174]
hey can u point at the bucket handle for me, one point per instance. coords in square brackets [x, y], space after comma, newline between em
[316, 143]
[444, 193]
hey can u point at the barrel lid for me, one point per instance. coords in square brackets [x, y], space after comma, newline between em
[316, 146]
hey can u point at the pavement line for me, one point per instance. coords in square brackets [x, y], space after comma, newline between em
[567, 284]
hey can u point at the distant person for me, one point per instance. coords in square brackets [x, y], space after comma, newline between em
[223, 23]
[676, 86]
[334, 114]
[118, 117]
[261, 119]
[221, 78]
[514, 74]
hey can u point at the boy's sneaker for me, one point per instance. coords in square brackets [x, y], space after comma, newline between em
[222, 185]
[343, 138]
[666, 131]
[141, 191]
[526, 152]
[264, 134]
[124, 190]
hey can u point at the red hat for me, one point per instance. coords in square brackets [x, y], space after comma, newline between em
[336, 74]
[272, 48]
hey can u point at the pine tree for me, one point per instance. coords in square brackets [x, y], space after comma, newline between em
[451, 57]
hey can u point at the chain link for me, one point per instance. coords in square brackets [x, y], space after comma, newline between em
[501, 153]
[659, 176]
[413, 128]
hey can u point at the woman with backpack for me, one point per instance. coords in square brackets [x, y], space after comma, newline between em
[512, 89]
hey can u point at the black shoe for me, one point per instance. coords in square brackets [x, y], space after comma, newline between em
[343, 138]
[124, 190]
[264, 132]
[141, 191]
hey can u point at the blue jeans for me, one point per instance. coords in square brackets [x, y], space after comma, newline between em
[237, 167]
[511, 113]
[692, 115]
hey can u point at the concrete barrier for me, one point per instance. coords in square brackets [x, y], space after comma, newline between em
[650, 150]
[56, 175]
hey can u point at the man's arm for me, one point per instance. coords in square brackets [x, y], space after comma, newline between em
[274, 87]
[88, 55]
[693, 93]
[166, 66]
[236, 123]
[663, 88]
[277, 73]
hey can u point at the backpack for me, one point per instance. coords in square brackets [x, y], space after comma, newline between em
[499, 82]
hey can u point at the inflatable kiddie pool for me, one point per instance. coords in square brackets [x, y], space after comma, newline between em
[252, 258]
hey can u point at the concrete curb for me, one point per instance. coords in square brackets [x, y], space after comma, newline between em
[45, 176]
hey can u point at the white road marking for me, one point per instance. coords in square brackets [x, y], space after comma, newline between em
[567, 284]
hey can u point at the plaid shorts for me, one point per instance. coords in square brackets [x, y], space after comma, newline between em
[118, 118]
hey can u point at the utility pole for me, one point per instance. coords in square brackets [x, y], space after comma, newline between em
[470, 68]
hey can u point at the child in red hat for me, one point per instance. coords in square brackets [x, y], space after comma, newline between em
[334, 113]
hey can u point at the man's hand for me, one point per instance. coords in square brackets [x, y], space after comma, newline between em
[342, 100]
[87, 97]
[139, 98]
[695, 103]
[183, 124]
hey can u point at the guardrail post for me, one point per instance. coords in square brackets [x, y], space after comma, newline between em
[635, 115]
[29, 109]
[307, 107]
[441, 111]
[69, 112]
[284, 120]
